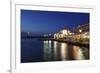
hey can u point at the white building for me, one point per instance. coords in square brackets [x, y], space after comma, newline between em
[62, 34]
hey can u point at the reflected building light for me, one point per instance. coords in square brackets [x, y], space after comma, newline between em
[77, 53]
[45, 44]
[63, 51]
[45, 41]
[50, 44]
[55, 50]
[49, 41]
[55, 44]
[47, 51]
[80, 55]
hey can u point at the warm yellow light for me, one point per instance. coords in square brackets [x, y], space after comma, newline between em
[65, 32]
[63, 51]
[80, 30]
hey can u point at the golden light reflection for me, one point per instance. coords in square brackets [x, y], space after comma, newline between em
[55, 50]
[77, 53]
[63, 51]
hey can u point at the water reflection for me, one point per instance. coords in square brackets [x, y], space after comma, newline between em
[56, 51]
[78, 53]
[47, 50]
[63, 51]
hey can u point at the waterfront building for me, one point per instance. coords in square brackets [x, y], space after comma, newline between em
[62, 34]
[82, 33]
[82, 28]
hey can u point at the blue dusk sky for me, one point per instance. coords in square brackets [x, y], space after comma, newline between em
[51, 21]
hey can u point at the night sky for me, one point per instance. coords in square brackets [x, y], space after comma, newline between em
[51, 21]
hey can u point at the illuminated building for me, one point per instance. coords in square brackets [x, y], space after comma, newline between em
[82, 33]
[82, 28]
[62, 34]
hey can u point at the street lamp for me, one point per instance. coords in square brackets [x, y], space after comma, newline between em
[80, 30]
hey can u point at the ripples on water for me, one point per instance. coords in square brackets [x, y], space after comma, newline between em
[34, 50]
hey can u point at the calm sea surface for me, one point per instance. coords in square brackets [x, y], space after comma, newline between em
[36, 50]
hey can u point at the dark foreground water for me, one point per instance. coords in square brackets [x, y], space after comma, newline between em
[36, 50]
